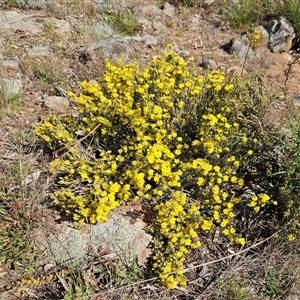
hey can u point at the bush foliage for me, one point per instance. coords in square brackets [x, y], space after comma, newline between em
[163, 135]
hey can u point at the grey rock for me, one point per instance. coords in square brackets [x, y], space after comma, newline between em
[181, 51]
[150, 11]
[296, 101]
[281, 34]
[236, 70]
[208, 64]
[12, 21]
[31, 4]
[99, 29]
[10, 87]
[146, 25]
[62, 27]
[9, 68]
[151, 18]
[57, 104]
[38, 50]
[146, 38]
[158, 26]
[240, 46]
[104, 5]
[113, 48]
[69, 246]
[195, 22]
[149, 39]
[168, 10]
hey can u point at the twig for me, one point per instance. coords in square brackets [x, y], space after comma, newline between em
[7, 157]
[194, 267]
[289, 69]
[249, 46]
[77, 142]
[6, 144]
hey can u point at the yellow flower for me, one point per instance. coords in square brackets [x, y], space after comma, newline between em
[256, 209]
[241, 241]
[228, 87]
[218, 87]
[240, 182]
[291, 237]
[170, 282]
[200, 181]
[236, 163]
[264, 198]
[224, 222]
[206, 225]
[216, 215]
[215, 189]
[234, 179]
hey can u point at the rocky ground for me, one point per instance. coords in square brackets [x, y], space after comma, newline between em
[48, 49]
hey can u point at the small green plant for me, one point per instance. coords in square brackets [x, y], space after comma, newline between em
[189, 3]
[79, 289]
[16, 245]
[120, 270]
[274, 286]
[235, 290]
[244, 13]
[125, 23]
[289, 149]
[49, 27]
[293, 148]
[232, 288]
[48, 75]
[18, 209]
[9, 94]
[160, 134]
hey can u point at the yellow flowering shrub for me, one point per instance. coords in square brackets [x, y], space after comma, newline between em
[255, 37]
[161, 134]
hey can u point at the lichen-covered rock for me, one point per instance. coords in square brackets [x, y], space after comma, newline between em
[9, 88]
[100, 30]
[208, 64]
[120, 236]
[152, 18]
[13, 21]
[168, 10]
[38, 50]
[9, 68]
[113, 48]
[57, 104]
[104, 5]
[281, 34]
[33, 4]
